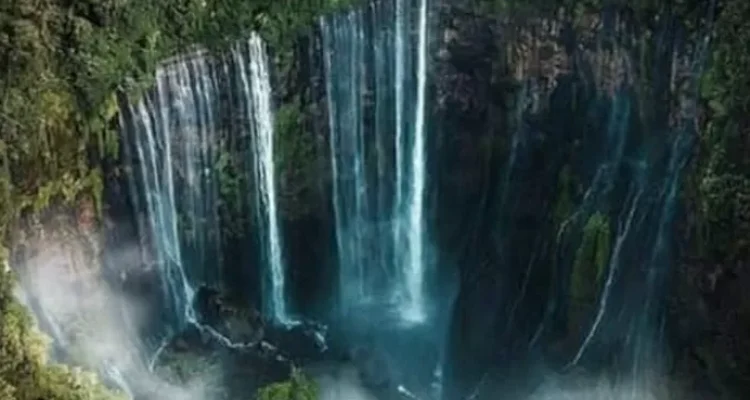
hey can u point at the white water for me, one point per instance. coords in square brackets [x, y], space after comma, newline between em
[263, 144]
[154, 152]
[398, 87]
[344, 82]
[379, 174]
[415, 311]
[613, 268]
[174, 138]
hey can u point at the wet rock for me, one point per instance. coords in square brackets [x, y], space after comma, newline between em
[709, 310]
[198, 357]
[303, 342]
[465, 54]
[237, 324]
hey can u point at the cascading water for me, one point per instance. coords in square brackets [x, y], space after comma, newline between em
[416, 264]
[170, 133]
[174, 141]
[375, 68]
[659, 180]
[258, 90]
[177, 139]
[379, 169]
[347, 155]
[610, 240]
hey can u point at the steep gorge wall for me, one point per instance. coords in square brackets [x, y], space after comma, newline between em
[513, 155]
[484, 202]
[508, 247]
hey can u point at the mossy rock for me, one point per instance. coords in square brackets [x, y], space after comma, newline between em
[298, 387]
[591, 259]
[298, 162]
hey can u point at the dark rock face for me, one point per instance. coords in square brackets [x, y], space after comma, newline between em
[466, 52]
[476, 96]
[239, 324]
[517, 104]
[305, 342]
[709, 319]
[301, 343]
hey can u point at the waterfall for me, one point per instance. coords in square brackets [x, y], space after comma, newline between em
[347, 152]
[651, 224]
[416, 263]
[176, 135]
[258, 89]
[171, 133]
[379, 169]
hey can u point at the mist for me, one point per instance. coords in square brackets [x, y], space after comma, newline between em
[602, 389]
[96, 326]
[339, 382]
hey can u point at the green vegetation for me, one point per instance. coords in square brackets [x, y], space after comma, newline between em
[717, 193]
[296, 161]
[720, 185]
[591, 259]
[644, 7]
[24, 371]
[298, 387]
[233, 184]
[65, 62]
